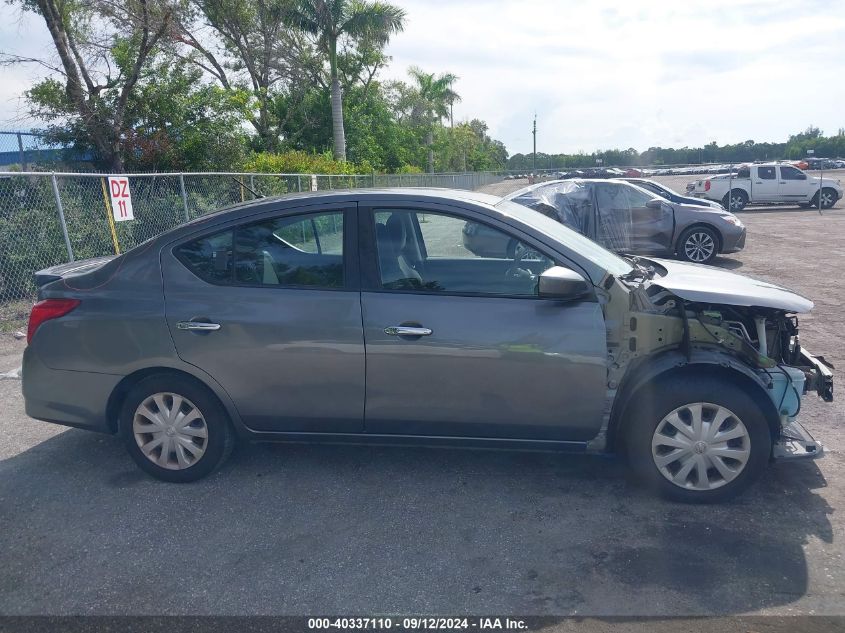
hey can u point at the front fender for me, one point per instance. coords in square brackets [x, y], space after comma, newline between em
[650, 369]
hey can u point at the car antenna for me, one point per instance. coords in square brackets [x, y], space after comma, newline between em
[248, 188]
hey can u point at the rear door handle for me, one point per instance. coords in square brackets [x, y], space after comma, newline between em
[200, 326]
[407, 330]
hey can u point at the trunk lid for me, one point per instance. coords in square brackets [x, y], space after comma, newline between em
[70, 269]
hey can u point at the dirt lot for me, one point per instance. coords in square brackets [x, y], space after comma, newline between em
[305, 529]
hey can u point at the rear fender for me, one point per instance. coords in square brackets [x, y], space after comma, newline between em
[168, 366]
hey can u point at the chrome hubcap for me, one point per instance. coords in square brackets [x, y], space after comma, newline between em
[699, 247]
[827, 200]
[170, 430]
[701, 446]
[736, 202]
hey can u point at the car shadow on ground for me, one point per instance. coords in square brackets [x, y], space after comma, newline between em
[727, 262]
[785, 208]
[342, 529]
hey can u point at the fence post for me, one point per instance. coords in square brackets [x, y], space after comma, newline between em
[299, 182]
[184, 196]
[61, 215]
[21, 152]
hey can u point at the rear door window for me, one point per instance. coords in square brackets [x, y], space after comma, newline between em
[300, 250]
[790, 173]
[766, 173]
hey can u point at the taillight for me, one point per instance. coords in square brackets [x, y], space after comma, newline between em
[706, 185]
[46, 310]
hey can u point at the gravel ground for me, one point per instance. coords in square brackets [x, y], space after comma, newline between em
[323, 529]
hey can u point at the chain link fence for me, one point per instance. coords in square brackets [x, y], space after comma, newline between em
[52, 218]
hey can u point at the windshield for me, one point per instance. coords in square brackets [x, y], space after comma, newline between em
[587, 248]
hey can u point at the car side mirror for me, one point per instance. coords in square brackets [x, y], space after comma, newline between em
[558, 282]
[654, 203]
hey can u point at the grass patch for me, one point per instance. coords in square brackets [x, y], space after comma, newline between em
[14, 315]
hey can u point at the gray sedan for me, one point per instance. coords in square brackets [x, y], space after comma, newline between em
[626, 218]
[361, 317]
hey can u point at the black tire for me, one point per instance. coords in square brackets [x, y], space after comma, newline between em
[699, 245]
[739, 202]
[216, 446]
[829, 198]
[647, 412]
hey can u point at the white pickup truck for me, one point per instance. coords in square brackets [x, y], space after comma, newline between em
[768, 183]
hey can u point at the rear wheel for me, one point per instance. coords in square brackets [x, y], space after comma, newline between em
[737, 201]
[175, 429]
[697, 440]
[698, 244]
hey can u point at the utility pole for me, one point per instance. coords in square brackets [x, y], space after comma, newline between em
[534, 160]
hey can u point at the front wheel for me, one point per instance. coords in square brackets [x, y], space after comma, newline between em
[175, 428]
[698, 244]
[697, 440]
[735, 200]
[829, 198]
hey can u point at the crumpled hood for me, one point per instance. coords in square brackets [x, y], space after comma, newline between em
[708, 284]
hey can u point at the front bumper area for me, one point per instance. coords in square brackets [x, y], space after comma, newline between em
[796, 443]
[820, 377]
[734, 241]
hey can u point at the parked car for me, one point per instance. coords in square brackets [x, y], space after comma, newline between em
[358, 317]
[768, 183]
[623, 218]
[671, 195]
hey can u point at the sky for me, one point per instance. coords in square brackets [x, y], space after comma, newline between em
[598, 74]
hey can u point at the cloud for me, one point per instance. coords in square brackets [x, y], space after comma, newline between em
[640, 73]
[603, 73]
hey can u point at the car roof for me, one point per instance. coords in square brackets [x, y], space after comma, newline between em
[535, 186]
[352, 195]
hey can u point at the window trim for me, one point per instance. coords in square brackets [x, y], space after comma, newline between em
[351, 270]
[368, 249]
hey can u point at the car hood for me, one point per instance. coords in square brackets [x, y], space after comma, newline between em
[707, 205]
[708, 284]
[827, 182]
[697, 207]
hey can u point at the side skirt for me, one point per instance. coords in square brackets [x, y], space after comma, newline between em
[419, 440]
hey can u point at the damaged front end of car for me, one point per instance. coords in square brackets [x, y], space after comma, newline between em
[666, 316]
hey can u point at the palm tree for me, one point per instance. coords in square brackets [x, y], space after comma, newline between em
[436, 98]
[331, 20]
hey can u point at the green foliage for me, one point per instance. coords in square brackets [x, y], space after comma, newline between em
[466, 147]
[299, 162]
[229, 79]
[794, 148]
[180, 123]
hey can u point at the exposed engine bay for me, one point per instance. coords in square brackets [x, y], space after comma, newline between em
[646, 320]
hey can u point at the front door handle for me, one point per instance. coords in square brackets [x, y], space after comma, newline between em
[200, 326]
[407, 330]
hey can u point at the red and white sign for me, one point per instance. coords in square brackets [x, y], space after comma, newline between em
[121, 200]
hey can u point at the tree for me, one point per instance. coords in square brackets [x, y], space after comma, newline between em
[329, 21]
[180, 123]
[103, 47]
[435, 96]
[261, 53]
